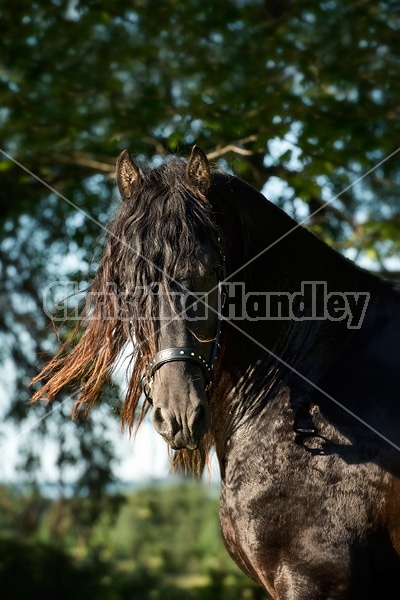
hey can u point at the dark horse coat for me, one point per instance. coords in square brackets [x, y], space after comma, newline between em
[303, 411]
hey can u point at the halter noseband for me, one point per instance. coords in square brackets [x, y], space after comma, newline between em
[187, 354]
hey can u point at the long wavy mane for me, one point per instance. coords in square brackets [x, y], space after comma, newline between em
[154, 237]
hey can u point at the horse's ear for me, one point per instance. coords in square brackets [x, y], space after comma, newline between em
[127, 174]
[198, 173]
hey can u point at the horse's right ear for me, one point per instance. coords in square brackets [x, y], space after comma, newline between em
[127, 174]
[198, 170]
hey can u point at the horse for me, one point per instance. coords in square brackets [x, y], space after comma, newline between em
[254, 338]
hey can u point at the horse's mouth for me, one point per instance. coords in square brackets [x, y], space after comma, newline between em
[182, 444]
[184, 447]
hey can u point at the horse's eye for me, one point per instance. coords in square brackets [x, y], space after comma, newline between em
[180, 285]
[215, 269]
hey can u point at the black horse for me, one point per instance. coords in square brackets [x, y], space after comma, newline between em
[255, 338]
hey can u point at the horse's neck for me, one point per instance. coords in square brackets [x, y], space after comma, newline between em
[272, 371]
[282, 257]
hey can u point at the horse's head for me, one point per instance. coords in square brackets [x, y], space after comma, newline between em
[173, 270]
[157, 285]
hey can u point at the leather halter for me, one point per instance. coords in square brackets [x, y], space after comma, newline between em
[188, 354]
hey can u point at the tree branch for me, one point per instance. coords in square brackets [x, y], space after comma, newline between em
[86, 160]
[234, 148]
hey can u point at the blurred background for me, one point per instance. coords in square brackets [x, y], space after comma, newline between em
[300, 99]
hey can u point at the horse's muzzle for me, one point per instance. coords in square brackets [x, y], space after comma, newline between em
[181, 433]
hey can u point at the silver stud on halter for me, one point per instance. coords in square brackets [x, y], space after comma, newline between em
[173, 355]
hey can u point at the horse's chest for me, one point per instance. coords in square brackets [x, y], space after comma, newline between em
[281, 505]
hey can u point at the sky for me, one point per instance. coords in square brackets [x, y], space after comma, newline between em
[138, 460]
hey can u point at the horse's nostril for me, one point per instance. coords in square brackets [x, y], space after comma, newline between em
[199, 415]
[157, 416]
[200, 422]
[175, 427]
[167, 427]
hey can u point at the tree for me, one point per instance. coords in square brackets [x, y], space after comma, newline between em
[300, 99]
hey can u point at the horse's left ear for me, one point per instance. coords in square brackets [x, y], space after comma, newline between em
[198, 172]
[127, 174]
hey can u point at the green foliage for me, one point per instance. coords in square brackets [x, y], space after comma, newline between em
[155, 526]
[42, 571]
[164, 543]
